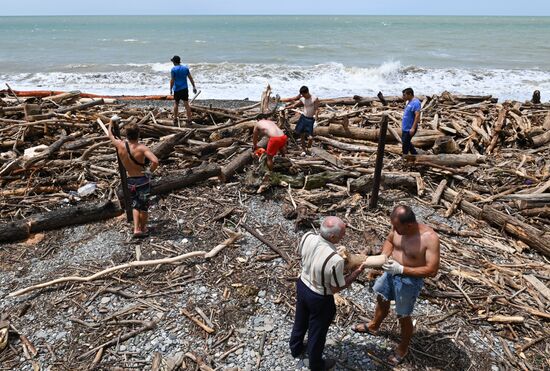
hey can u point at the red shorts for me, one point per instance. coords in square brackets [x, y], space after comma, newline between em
[275, 144]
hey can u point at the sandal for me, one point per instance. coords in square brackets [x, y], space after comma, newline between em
[395, 359]
[362, 328]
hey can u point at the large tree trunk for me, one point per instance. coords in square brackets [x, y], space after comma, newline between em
[542, 139]
[183, 179]
[407, 181]
[423, 138]
[319, 180]
[60, 218]
[239, 162]
[14, 231]
[357, 147]
[447, 160]
[164, 148]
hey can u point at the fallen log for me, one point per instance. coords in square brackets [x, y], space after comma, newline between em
[239, 162]
[81, 106]
[389, 180]
[542, 139]
[532, 236]
[423, 138]
[319, 180]
[447, 160]
[60, 218]
[183, 179]
[137, 263]
[164, 148]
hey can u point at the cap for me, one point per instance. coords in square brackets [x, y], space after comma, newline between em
[176, 59]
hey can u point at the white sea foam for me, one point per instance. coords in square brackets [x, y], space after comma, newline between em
[242, 80]
[130, 40]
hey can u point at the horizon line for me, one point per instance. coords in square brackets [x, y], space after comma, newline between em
[273, 15]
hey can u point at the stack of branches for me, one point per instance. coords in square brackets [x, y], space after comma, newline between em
[482, 163]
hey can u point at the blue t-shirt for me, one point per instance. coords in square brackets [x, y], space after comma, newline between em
[410, 111]
[179, 74]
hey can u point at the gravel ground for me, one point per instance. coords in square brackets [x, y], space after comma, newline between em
[260, 301]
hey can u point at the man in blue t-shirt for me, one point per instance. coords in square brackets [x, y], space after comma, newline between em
[178, 87]
[411, 118]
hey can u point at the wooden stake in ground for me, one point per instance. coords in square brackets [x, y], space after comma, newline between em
[379, 163]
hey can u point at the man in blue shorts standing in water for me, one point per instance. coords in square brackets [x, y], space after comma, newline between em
[411, 119]
[178, 87]
[304, 128]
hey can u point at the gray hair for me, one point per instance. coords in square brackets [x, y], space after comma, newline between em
[331, 226]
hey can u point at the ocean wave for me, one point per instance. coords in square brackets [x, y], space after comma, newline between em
[246, 80]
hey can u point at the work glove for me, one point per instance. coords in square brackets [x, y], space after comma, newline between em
[393, 267]
[194, 90]
[115, 118]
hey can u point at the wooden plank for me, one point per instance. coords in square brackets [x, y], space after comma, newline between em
[537, 284]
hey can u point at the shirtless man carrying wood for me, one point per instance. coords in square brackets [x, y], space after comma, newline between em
[133, 156]
[310, 114]
[277, 139]
[413, 252]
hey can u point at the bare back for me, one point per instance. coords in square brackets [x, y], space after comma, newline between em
[269, 128]
[138, 151]
[411, 250]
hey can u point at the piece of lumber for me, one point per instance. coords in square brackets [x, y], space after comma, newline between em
[506, 319]
[538, 285]
[439, 192]
[321, 153]
[497, 128]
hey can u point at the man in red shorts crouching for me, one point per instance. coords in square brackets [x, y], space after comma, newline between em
[277, 139]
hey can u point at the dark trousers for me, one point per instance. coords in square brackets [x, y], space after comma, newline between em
[314, 313]
[407, 145]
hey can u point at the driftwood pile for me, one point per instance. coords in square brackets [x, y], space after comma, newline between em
[479, 157]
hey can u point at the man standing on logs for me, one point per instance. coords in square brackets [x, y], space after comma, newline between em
[178, 87]
[411, 119]
[276, 143]
[322, 276]
[413, 252]
[304, 128]
[133, 156]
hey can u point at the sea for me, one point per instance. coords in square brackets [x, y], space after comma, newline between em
[235, 57]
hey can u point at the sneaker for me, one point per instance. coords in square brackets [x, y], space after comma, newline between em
[303, 154]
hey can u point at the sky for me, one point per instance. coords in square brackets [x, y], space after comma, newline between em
[215, 7]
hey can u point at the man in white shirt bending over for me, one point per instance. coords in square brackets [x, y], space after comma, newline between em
[310, 114]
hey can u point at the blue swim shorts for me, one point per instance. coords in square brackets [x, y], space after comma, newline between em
[305, 125]
[403, 289]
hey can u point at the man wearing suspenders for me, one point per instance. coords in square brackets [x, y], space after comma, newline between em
[133, 156]
[322, 276]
